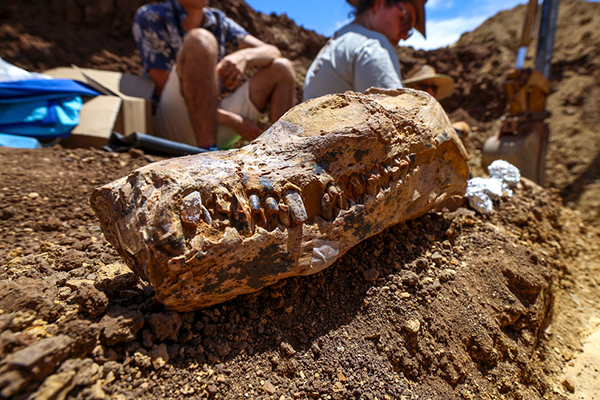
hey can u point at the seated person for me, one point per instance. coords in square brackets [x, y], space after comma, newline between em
[182, 45]
[362, 54]
[440, 86]
[424, 78]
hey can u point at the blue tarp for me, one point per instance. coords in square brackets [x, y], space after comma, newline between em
[41, 108]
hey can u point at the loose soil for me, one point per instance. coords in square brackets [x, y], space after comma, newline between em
[453, 305]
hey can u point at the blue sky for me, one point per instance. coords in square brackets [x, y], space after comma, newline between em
[446, 19]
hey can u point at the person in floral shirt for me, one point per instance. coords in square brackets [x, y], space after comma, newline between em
[182, 46]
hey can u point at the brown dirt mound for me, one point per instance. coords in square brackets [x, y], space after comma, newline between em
[451, 305]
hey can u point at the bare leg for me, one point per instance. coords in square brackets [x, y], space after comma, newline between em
[196, 69]
[274, 84]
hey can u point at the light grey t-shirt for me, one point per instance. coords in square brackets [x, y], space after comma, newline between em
[356, 58]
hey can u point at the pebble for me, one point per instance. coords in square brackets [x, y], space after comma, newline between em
[371, 275]
[569, 384]
[410, 278]
[427, 281]
[159, 356]
[437, 258]
[413, 325]
[269, 387]
[447, 275]
[142, 359]
[287, 348]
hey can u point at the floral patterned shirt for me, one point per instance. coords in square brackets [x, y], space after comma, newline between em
[158, 32]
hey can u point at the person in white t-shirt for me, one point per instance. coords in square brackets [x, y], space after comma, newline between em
[362, 54]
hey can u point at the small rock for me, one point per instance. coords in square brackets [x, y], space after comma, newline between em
[209, 330]
[427, 281]
[447, 275]
[569, 384]
[269, 387]
[33, 195]
[413, 325]
[287, 348]
[116, 277]
[90, 300]
[437, 258]
[120, 325]
[64, 292]
[212, 389]
[142, 359]
[371, 275]
[159, 356]
[409, 278]
[166, 325]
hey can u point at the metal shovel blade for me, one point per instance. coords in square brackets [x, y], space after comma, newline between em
[526, 149]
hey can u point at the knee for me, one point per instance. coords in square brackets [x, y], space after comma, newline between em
[200, 43]
[283, 69]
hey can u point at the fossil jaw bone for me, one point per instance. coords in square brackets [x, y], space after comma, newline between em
[328, 174]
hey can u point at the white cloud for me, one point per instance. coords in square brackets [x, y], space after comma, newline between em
[438, 5]
[441, 33]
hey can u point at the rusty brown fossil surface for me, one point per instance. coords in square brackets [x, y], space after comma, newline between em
[330, 173]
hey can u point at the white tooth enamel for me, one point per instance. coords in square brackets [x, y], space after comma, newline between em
[296, 205]
[327, 207]
[191, 208]
[254, 203]
[271, 205]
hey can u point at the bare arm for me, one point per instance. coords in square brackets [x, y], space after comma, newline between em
[257, 52]
[245, 127]
[252, 52]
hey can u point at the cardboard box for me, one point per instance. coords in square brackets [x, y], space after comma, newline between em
[125, 105]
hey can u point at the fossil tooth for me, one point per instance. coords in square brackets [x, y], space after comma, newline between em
[206, 215]
[241, 218]
[296, 205]
[172, 239]
[271, 212]
[191, 208]
[356, 186]
[322, 141]
[373, 182]
[336, 198]
[254, 203]
[327, 210]
[284, 215]
[271, 205]
[222, 201]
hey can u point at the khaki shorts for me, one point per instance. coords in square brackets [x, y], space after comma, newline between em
[172, 120]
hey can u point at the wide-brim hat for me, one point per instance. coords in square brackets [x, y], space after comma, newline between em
[420, 22]
[426, 74]
[419, 8]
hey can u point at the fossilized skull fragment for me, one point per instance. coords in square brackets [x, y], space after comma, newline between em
[330, 173]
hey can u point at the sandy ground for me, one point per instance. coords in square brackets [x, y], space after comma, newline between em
[464, 306]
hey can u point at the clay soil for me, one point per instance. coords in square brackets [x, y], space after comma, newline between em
[452, 305]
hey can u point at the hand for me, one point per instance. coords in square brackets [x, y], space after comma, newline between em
[247, 129]
[230, 70]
